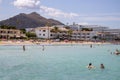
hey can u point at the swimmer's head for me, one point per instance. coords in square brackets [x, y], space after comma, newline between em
[90, 64]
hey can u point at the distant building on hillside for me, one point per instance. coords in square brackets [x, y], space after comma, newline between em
[30, 30]
[59, 26]
[93, 27]
[75, 27]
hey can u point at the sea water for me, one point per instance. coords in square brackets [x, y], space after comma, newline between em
[59, 62]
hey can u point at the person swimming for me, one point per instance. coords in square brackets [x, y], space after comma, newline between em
[102, 66]
[90, 66]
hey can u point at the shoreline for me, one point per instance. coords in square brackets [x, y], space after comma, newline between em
[9, 42]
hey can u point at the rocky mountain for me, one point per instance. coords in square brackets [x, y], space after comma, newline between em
[31, 20]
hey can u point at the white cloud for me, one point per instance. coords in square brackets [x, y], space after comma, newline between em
[106, 18]
[27, 3]
[56, 12]
[51, 12]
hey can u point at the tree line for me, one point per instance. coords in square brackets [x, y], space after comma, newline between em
[7, 27]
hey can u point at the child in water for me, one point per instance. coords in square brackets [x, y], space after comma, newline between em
[90, 66]
[102, 66]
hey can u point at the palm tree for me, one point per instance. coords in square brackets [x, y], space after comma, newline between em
[69, 32]
[48, 25]
[56, 30]
[95, 37]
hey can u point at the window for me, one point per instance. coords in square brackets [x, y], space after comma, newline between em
[8, 32]
[88, 37]
[11, 32]
[79, 34]
[83, 33]
[74, 33]
[44, 30]
[1, 32]
[4, 31]
[74, 36]
[51, 35]
[88, 33]
[79, 37]
[43, 34]
[40, 34]
[83, 36]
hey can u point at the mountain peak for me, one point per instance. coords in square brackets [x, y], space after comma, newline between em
[34, 13]
[22, 14]
[31, 20]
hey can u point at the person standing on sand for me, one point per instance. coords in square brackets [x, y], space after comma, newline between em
[23, 47]
[91, 46]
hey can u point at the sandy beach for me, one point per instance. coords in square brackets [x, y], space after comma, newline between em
[16, 43]
[10, 42]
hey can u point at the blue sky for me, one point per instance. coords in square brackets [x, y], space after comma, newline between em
[93, 12]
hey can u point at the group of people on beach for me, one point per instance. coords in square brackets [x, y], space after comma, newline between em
[90, 66]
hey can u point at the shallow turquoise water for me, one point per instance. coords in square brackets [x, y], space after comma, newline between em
[59, 62]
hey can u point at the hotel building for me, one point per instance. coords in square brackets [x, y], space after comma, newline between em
[83, 35]
[10, 33]
[47, 33]
[44, 32]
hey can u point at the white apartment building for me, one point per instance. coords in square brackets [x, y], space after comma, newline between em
[113, 31]
[83, 35]
[99, 32]
[44, 32]
[100, 29]
[10, 33]
[111, 34]
[93, 27]
[47, 33]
